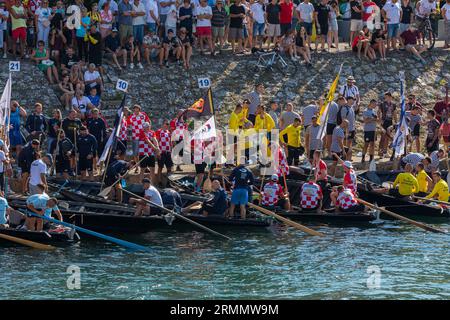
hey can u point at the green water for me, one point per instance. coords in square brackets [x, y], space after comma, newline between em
[285, 264]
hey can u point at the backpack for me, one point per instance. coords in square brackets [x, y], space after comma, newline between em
[339, 114]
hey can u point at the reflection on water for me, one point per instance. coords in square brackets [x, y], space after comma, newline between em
[281, 265]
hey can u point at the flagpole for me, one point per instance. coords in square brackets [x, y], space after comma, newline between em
[6, 130]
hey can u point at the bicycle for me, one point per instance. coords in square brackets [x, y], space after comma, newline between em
[427, 32]
[271, 61]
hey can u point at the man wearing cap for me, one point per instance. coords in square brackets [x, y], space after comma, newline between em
[136, 121]
[87, 149]
[148, 150]
[388, 116]
[25, 159]
[273, 195]
[38, 172]
[294, 142]
[351, 90]
[113, 47]
[150, 193]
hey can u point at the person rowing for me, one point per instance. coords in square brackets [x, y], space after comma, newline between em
[350, 180]
[320, 169]
[274, 196]
[243, 180]
[218, 205]
[42, 205]
[345, 201]
[311, 196]
[440, 189]
[150, 193]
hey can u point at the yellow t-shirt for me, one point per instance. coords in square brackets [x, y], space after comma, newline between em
[407, 184]
[18, 23]
[233, 123]
[266, 122]
[441, 190]
[294, 136]
[243, 115]
[422, 179]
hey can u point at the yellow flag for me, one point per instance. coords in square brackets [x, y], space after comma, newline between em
[330, 97]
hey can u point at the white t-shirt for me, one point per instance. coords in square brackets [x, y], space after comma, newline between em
[258, 12]
[139, 20]
[43, 14]
[89, 76]
[447, 13]
[151, 5]
[306, 11]
[171, 20]
[393, 11]
[81, 104]
[204, 22]
[2, 158]
[425, 8]
[154, 195]
[38, 167]
[164, 10]
[3, 22]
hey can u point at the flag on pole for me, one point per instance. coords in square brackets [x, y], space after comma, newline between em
[283, 166]
[202, 107]
[5, 103]
[113, 137]
[402, 132]
[323, 112]
[206, 131]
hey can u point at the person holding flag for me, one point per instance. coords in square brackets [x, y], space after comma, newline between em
[400, 137]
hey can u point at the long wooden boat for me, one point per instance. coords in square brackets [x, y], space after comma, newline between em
[55, 237]
[398, 205]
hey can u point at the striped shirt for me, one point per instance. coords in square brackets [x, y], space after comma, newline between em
[218, 17]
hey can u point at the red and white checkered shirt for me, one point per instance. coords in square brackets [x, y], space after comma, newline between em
[123, 133]
[272, 192]
[144, 148]
[197, 150]
[310, 194]
[178, 127]
[346, 199]
[163, 137]
[350, 181]
[136, 122]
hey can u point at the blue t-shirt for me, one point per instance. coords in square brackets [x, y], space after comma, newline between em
[95, 100]
[39, 202]
[81, 32]
[3, 206]
[15, 120]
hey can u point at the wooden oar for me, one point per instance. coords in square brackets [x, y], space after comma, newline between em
[178, 215]
[397, 216]
[103, 193]
[120, 242]
[286, 220]
[28, 243]
[432, 200]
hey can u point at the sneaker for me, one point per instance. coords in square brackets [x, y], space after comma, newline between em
[140, 66]
[167, 63]
[5, 56]
[131, 65]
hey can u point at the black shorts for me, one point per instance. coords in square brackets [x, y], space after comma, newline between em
[165, 160]
[369, 136]
[285, 27]
[351, 135]
[62, 166]
[335, 159]
[85, 164]
[434, 146]
[416, 130]
[148, 162]
[323, 29]
[200, 168]
[387, 123]
[330, 128]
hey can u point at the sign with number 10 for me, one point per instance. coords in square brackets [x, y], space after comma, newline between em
[122, 85]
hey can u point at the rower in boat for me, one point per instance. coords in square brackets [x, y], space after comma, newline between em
[4, 213]
[218, 205]
[321, 169]
[274, 196]
[311, 196]
[41, 204]
[150, 193]
[346, 201]
[423, 179]
[243, 180]
[62, 149]
[405, 181]
[440, 189]
[116, 169]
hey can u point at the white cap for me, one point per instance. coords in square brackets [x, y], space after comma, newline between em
[348, 164]
[274, 177]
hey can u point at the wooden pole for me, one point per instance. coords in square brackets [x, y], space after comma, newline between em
[28, 243]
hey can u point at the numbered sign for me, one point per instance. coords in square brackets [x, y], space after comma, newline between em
[122, 85]
[14, 66]
[204, 83]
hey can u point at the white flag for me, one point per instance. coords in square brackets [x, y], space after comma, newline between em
[5, 102]
[401, 134]
[206, 131]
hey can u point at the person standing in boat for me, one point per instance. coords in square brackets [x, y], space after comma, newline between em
[440, 189]
[148, 148]
[218, 205]
[63, 151]
[320, 169]
[423, 179]
[177, 128]
[25, 158]
[97, 127]
[346, 201]
[370, 129]
[42, 205]
[242, 179]
[136, 121]
[150, 193]
[4, 162]
[273, 195]
[117, 168]
[311, 196]
[38, 172]
[165, 145]
[87, 149]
